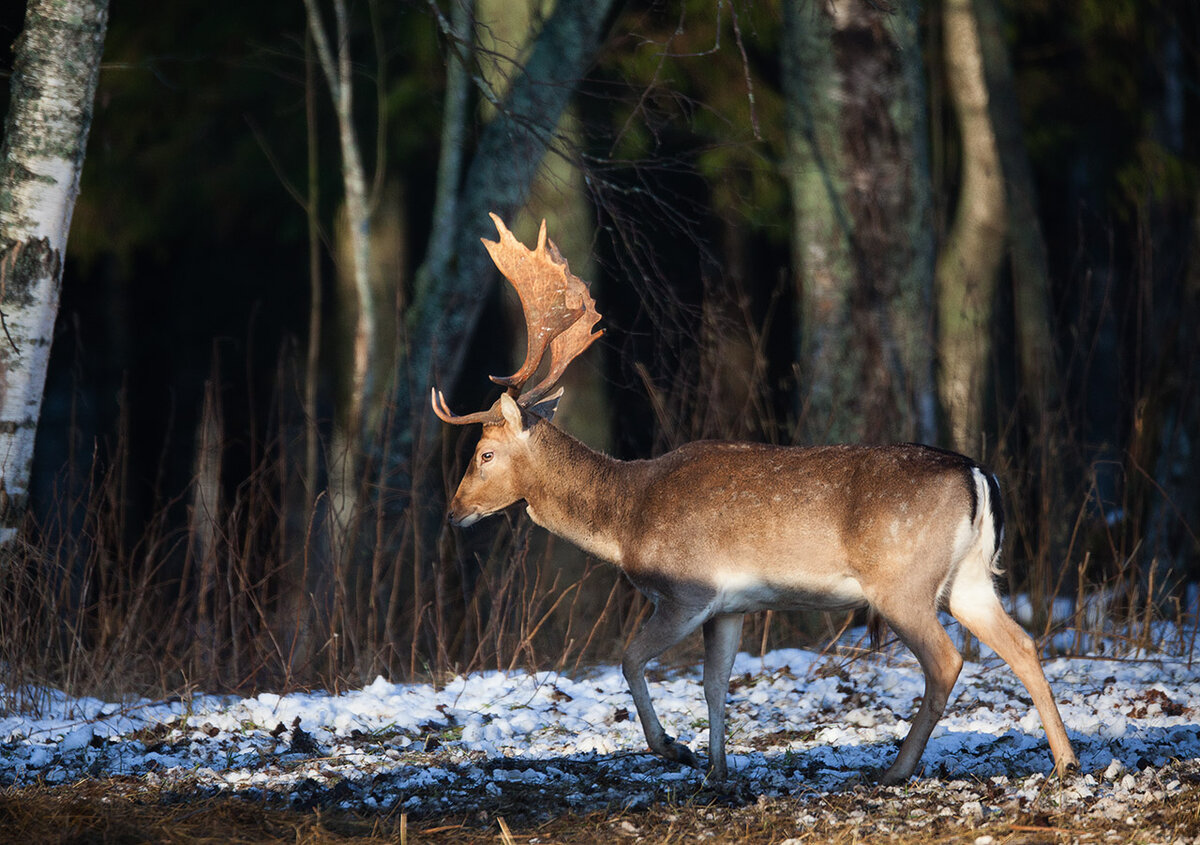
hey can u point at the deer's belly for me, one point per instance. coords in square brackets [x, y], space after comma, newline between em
[742, 591]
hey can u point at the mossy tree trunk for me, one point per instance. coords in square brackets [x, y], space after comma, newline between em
[862, 236]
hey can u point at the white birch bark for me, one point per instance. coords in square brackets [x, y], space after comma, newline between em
[53, 84]
[352, 424]
[336, 67]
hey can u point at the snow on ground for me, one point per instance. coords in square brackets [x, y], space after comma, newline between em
[798, 723]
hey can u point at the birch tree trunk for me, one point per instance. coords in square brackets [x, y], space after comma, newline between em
[53, 84]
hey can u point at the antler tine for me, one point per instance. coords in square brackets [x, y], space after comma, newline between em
[566, 348]
[551, 296]
[492, 415]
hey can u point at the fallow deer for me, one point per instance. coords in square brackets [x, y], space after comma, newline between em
[715, 530]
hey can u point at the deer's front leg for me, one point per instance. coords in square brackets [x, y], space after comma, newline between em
[721, 637]
[669, 624]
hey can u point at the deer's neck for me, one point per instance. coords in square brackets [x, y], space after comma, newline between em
[579, 494]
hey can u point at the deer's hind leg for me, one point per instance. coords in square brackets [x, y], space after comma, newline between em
[918, 628]
[974, 603]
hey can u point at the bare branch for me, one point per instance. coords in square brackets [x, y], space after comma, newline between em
[324, 53]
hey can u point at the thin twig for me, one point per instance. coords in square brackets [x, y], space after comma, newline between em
[4, 324]
[737, 36]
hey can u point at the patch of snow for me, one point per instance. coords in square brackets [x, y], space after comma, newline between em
[797, 722]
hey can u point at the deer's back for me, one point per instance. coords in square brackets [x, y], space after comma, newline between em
[803, 518]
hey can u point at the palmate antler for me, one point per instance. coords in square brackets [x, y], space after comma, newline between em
[559, 315]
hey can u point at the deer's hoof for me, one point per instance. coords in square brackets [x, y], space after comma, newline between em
[679, 753]
[890, 778]
[1068, 768]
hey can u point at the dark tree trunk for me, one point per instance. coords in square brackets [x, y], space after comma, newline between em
[862, 239]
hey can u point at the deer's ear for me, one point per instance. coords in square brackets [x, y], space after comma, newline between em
[512, 413]
[546, 408]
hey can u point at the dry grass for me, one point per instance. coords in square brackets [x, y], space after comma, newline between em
[96, 812]
[107, 812]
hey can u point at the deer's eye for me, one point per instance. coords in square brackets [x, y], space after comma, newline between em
[486, 456]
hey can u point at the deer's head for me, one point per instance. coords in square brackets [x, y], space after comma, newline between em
[559, 317]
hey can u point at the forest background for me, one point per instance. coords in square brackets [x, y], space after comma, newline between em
[970, 222]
